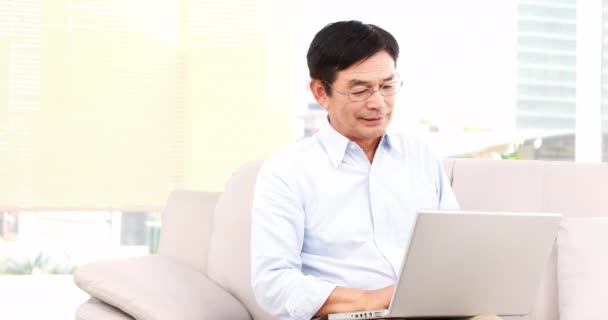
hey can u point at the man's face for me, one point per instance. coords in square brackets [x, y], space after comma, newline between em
[362, 122]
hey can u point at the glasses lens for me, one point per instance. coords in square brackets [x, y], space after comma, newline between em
[390, 88]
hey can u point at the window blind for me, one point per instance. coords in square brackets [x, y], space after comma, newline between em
[240, 89]
[111, 104]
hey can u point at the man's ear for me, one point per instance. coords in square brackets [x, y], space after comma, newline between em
[318, 91]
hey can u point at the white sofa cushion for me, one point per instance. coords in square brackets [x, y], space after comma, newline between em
[188, 213]
[158, 288]
[582, 268]
[230, 251]
[576, 190]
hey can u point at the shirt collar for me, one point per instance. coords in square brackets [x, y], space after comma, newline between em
[390, 141]
[336, 144]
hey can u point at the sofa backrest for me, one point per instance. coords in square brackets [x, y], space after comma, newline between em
[572, 188]
[186, 227]
[229, 252]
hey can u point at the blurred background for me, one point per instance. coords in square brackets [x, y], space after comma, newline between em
[108, 105]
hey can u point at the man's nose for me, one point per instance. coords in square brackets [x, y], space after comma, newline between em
[376, 100]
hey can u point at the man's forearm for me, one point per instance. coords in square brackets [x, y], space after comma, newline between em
[342, 300]
[350, 299]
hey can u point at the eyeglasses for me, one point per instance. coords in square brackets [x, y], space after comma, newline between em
[386, 90]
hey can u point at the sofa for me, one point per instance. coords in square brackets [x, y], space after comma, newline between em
[201, 270]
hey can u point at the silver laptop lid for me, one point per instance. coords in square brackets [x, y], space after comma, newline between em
[465, 263]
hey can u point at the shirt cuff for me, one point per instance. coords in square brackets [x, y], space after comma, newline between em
[308, 297]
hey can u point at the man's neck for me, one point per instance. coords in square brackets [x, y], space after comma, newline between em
[369, 148]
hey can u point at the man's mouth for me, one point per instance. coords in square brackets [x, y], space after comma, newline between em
[372, 119]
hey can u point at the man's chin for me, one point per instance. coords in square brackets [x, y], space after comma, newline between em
[378, 132]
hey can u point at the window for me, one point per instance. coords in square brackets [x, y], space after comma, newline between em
[490, 79]
[108, 105]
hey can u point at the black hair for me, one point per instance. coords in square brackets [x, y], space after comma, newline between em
[341, 44]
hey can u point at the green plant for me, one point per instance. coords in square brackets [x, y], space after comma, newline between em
[40, 264]
[509, 156]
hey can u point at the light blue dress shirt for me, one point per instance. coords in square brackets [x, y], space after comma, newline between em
[323, 216]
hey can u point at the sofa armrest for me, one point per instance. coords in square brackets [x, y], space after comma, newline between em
[156, 287]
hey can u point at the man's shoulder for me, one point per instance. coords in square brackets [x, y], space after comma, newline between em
[295, 156]
[411, 143]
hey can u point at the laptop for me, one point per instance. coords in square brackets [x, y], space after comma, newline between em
[466, 263]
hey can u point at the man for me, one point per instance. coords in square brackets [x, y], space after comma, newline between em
[332, 214]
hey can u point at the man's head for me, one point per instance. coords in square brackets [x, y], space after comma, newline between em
[346, 58]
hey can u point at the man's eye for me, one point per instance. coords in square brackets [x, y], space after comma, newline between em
[358, 92]
[388, 86]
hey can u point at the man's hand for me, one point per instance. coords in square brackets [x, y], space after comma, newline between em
[349, 299]
[378, 299]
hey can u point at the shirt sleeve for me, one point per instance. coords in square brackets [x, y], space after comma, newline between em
[277, 236]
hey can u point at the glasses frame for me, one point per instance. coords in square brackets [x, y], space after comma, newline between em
[370, 91]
